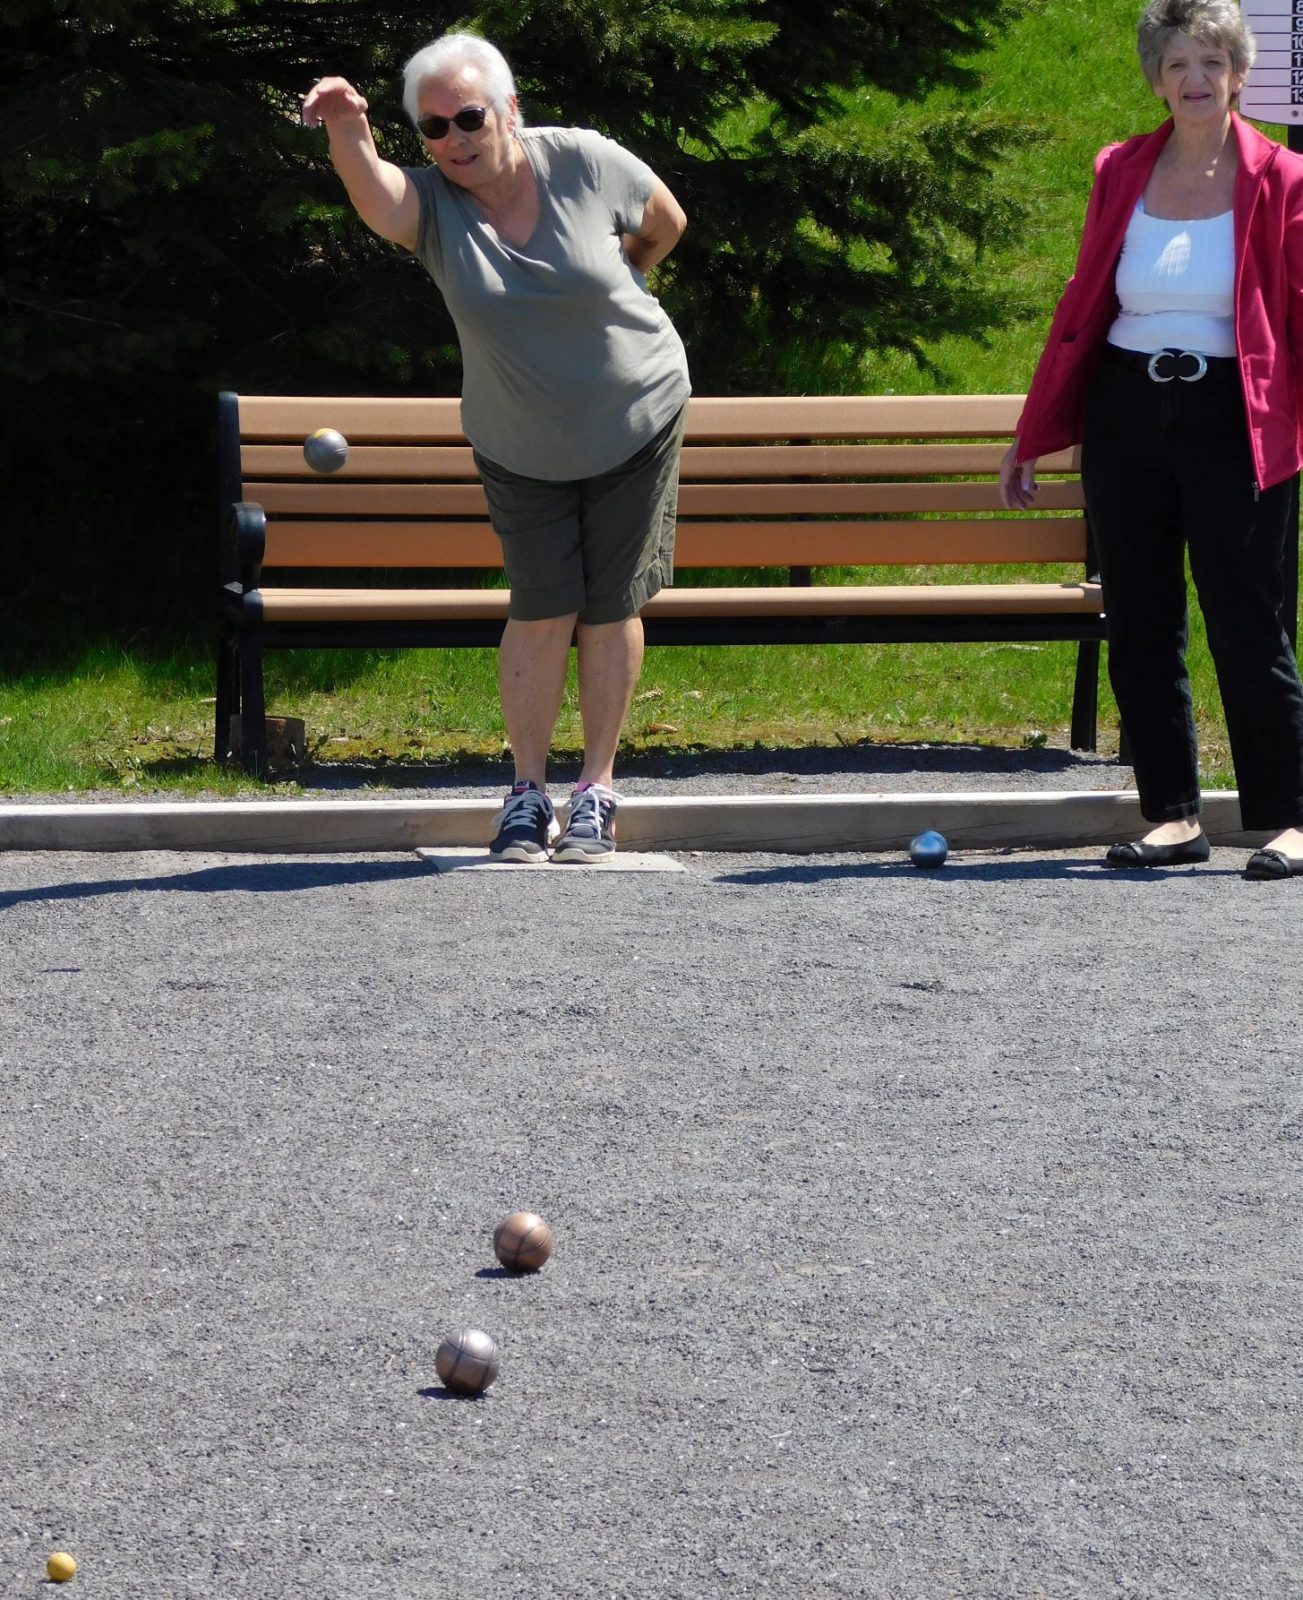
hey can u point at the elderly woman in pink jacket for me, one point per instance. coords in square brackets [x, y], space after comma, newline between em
[1175, 358]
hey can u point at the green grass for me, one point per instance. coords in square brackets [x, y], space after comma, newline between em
[109, 719]
[1070, 70]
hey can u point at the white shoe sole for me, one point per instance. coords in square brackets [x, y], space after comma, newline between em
[517, 856]
[575, 856]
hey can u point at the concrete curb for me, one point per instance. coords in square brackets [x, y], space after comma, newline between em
[790, 824]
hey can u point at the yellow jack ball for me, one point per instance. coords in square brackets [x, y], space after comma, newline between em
[61, 1566]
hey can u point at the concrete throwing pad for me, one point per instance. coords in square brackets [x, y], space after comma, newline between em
[478, 860]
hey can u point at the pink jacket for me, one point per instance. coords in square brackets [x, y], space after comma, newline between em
[1268, 212]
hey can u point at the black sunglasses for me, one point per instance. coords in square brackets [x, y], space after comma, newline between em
[470, 119]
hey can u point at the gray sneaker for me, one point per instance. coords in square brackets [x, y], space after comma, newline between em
[590, 828]
[526, 826]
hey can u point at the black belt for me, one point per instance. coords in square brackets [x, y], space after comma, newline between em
[1164, 365]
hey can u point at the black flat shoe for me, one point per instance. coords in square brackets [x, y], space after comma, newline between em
[1273, 864]
[1140, 854]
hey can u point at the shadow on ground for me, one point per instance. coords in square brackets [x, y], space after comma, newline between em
[859, 761]
[1020, 869]
[247, 877]
[293, 877]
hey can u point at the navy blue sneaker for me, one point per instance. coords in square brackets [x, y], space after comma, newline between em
[590, 827]
[526, 826]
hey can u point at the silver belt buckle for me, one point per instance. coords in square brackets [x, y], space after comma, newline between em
[1177, 357]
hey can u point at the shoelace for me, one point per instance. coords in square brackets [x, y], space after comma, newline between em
[517, 807]
[586, 815]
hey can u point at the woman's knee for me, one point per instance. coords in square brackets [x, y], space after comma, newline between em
[540, 630]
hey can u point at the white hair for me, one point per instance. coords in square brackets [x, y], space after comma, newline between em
[446, 55]
[1219, 23]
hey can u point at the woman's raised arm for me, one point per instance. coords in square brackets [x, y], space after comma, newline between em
[382, 194]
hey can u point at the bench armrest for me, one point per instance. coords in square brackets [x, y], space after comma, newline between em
[246, 544]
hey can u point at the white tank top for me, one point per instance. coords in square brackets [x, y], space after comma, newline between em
[1176, 285]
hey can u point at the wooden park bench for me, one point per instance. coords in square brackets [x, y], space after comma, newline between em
[392, 550]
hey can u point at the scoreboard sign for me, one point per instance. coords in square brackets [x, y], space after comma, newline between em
[1274, 92]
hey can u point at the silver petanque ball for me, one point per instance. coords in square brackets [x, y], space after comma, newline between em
[467, 1362]
[326, 450]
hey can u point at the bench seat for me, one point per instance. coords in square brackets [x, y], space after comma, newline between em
[912, 600]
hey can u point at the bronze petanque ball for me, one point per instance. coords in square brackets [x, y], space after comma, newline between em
[523, 1242]
[467, 1362]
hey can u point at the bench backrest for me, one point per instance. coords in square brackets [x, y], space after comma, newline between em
[764, 482]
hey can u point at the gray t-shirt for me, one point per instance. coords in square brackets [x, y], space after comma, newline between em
[569, 364]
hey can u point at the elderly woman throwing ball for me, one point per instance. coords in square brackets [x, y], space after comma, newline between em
[1175, 358]
[574, 392]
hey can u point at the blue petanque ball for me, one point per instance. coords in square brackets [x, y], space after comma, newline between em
[325, 450]
[928, 849]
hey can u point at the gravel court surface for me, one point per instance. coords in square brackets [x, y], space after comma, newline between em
[918, 1234]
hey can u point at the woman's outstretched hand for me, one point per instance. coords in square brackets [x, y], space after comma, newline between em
[1017, 483]
[332, 100]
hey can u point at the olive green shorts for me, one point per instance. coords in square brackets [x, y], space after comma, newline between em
[598, 548]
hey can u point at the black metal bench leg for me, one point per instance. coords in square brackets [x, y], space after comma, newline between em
[1085, 697]
[253, 717]
[228, 693]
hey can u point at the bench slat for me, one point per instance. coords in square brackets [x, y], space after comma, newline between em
[992, 542]
[364, 461]
[369, 499]
[855, 417]
[916, 599]
[423, 605]
[433, 421]
[433, 462]
[382, 544]
[361, 419]
[701, 499]
[852, 460]
[699, 544]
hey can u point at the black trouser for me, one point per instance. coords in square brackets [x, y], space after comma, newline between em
[1166, 466]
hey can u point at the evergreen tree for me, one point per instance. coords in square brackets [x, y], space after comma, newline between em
[171, 228]
[812, 236]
